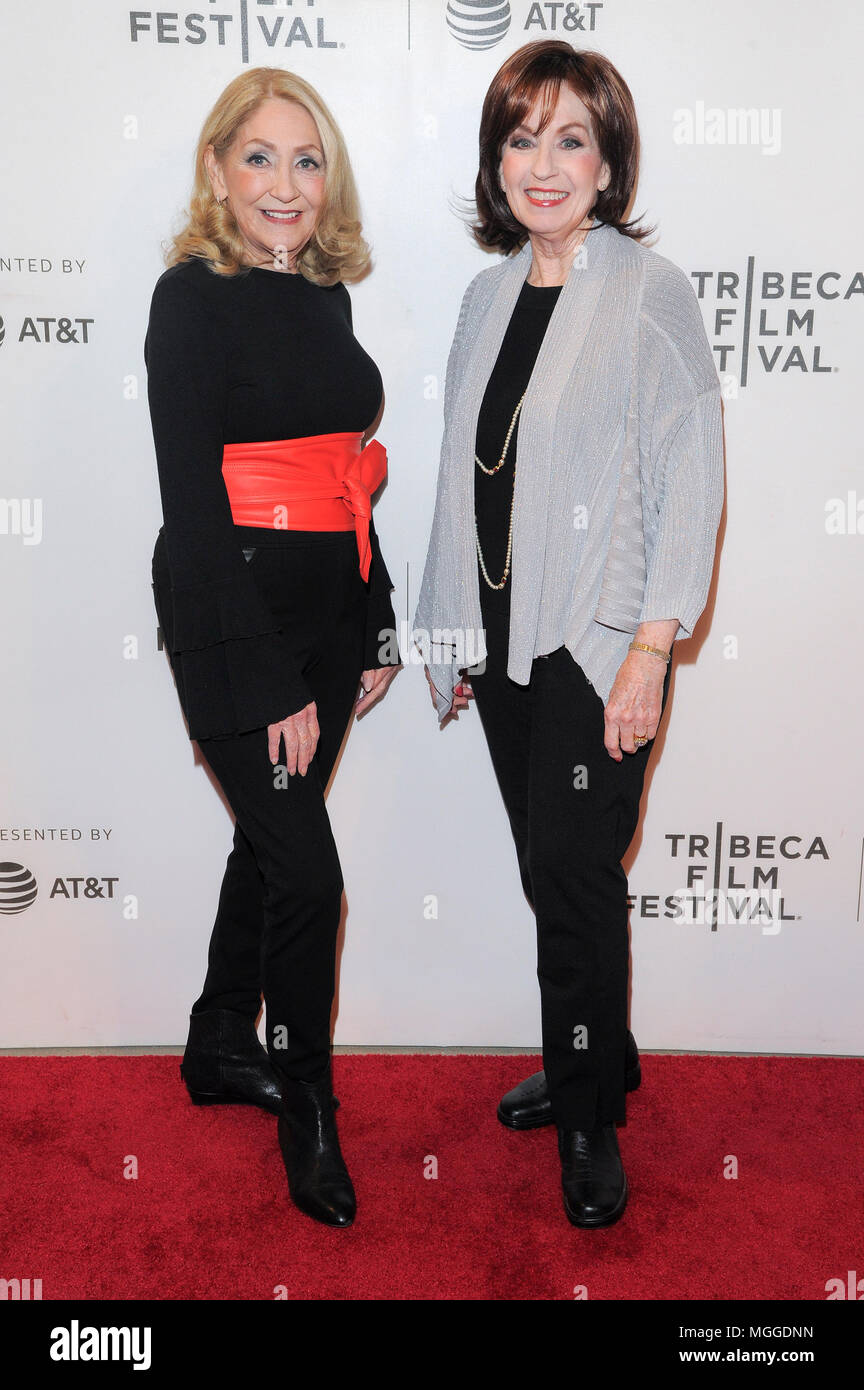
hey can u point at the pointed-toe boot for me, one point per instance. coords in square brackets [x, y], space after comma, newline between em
[318, 1179]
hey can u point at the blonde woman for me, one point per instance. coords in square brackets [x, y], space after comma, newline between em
[269, 583]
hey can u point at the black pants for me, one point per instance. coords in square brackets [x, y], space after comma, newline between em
[279, 907]
[573, 811]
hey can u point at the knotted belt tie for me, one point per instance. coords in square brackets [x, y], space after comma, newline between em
[323, 482]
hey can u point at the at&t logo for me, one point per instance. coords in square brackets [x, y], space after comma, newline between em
[478, 23]
[17, 889]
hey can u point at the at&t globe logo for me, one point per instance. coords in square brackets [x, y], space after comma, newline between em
[17, 888]
[478, 23]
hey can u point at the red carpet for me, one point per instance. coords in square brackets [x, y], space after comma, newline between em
[208, 1216]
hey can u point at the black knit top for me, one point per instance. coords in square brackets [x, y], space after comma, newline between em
[259, 356]
[493, 495]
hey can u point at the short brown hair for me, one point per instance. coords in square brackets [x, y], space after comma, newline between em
[534, 73]
[336, 250]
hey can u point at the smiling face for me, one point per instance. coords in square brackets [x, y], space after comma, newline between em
[551, 177]
[273, 176]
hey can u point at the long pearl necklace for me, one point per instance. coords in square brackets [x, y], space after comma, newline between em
[489, 472]
[500, 462]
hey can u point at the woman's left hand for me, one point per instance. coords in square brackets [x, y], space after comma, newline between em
[373, 685]
[635, 703]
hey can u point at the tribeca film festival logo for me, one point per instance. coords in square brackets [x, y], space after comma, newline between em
[481, 24]
[257, 26]
[769, 319]
[729, 879]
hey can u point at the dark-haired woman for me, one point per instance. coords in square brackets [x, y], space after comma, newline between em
[579, 494]
[269, 582]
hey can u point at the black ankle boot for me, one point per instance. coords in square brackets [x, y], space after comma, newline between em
[225, 1064]
[528, 1105]
[592, 1176]
[317, 1177]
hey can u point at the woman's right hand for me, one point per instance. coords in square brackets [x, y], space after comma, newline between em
[300, 732]
[461, 694]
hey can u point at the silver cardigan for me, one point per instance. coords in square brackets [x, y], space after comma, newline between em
[619, 468]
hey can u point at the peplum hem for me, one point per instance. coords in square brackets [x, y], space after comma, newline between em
[242, 684]
[220, 610]
[229, 680]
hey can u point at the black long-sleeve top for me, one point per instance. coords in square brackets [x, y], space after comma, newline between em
[259, 356]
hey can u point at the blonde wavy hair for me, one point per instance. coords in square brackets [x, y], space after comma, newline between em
[336, 250]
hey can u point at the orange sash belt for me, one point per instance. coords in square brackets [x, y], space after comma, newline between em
[321, 483]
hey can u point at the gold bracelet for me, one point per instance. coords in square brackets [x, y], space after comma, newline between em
[655, 651]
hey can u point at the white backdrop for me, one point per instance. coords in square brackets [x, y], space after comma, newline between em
[107, 812]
